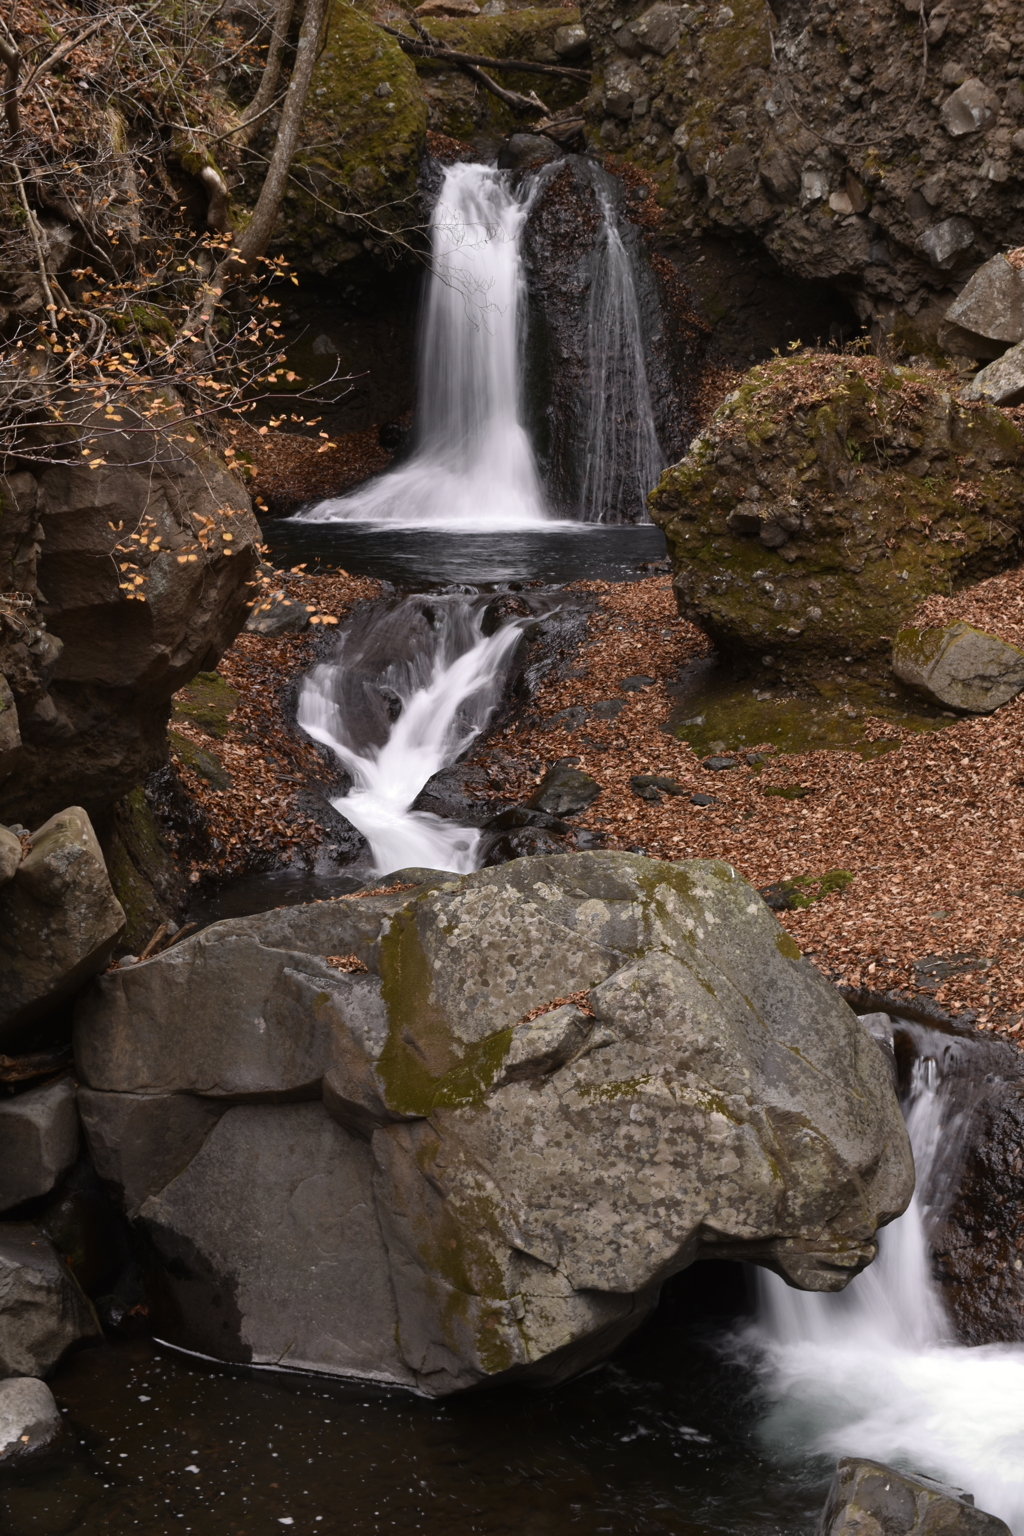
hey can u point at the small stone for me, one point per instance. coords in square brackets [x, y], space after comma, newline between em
[959, 666]
[454, 8]
[30, 1421]
[384, 89]
[840, 203]
[571, 42]
[563, 791]
[524, 151]
[607, 709]
[947, 243]
[703, 800]
[636, 684]
[718, 763]
[1000, 382]
[44, 1312]
[640, 783]
[277, 615]
[971, 107]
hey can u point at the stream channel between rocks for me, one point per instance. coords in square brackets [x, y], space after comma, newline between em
[724, 1414]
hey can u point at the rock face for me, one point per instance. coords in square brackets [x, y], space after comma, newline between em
[38, 1141]
[42, 1310]
[825, 499]
[686, 1086]
[91, 673]
[1002, 382]
[825, 145]
[959, 667]
[59, 921]
[30, 1421]
[867, 1498]
[987, 316]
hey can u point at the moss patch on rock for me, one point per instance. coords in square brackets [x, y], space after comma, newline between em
[363, 134]
[207, 701]
[827, 497]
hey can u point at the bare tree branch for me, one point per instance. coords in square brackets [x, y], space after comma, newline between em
[264, 98]
[426, 50]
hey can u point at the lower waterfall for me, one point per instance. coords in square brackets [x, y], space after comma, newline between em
[404, 697]
[874, 1370]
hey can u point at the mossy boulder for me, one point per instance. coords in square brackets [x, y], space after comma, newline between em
[535, 1093]
[353, 185]
[827, 497]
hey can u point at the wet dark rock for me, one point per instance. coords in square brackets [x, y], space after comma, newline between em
[569, 719]
[523, 816]
[393, 436]
[703, 800]
[42, 1310]
[59, 922]
[932, 970]
[344, 844]
[719, 764]
[525, 843]
[503, 610]
[278, 615]
[607, 709]
[31, 1426]
[646, 786]
[636, 684]
[868, 1496]
[879, 1027]
[526, 151]
[38, 1141]
[564, 791]
[458, 793]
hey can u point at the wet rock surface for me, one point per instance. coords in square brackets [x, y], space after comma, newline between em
[42, 1310]
[30, 1421]
[871, 1499]
[601, 1007]
[824, 500]
[38, 1141]
[959, 667]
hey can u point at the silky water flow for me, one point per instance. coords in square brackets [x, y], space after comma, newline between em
[875, 1370]
[473, 465]
[404, 696]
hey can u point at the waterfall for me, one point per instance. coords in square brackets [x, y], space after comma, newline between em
[874, 1370]
[407, 692]
[472, 465]
[623, 457]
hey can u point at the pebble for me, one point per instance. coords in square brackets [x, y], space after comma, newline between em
[703, 800]
[716, 763]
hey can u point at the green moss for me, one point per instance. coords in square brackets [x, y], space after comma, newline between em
[205, 764]
[786, 792]
[804, 891]
[207, 701]
[787, 947]
[606, 1093]
[354, 178]
[141, 869]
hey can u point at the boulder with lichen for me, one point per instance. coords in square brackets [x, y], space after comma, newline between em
[826, 498]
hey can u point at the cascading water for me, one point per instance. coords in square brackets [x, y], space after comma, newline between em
[473, 465]
[874, 1370]
[405, 695]
[623, 458]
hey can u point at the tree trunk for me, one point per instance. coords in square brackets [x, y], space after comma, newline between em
[264, 98]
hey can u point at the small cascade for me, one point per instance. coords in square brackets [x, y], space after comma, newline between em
[473, 465]
[874, 1370]
[624, 458]
[406, 694]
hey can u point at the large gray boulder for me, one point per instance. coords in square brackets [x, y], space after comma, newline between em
[42, 1310]
[59, 922]
[553, 1085]
[38, 1141]
[867, 1498]
[959, 667]
[30, 1421]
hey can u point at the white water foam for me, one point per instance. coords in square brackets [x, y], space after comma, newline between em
[873, 1371]
[446, 694]
[473, 466]
[624, 458]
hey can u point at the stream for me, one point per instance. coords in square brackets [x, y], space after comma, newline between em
[726, 1411]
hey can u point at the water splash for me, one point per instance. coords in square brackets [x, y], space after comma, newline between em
[473, 465]
[405, 695]
[624, 458]
[874, 1370]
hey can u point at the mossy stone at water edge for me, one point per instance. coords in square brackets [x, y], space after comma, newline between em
[825, 499]
[207, 701]
[868, 1498]
[552, 1085]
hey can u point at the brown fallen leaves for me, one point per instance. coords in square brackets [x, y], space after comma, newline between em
[932, 832]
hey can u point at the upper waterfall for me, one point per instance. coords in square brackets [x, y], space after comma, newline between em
[473, 465]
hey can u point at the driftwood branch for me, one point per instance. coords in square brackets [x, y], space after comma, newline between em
[431, 50]
[521, 105]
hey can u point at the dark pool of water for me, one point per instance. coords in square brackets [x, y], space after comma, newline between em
[419, 558]
[662, 1439]
[263, 890]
